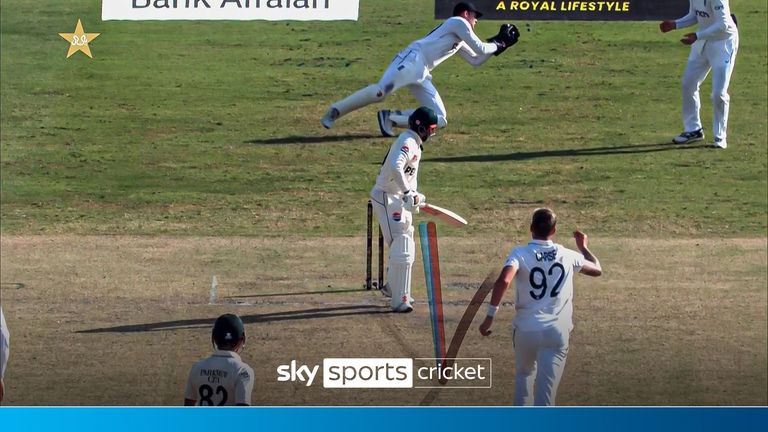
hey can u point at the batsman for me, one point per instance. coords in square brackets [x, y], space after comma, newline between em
[395, 198]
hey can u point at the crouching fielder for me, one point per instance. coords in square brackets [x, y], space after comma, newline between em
[395, 199]
[543, 273]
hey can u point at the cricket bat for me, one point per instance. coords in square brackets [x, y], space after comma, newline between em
[444, 215]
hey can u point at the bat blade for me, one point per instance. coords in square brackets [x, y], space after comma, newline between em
[444, 215]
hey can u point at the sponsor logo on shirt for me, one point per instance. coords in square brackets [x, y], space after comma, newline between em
[396, 216]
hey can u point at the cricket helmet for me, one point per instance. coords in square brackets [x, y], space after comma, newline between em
[423, 121]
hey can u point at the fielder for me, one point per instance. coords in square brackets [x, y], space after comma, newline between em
[395, 199]
[5, 339]
[223, 378]
[543, 273]
[713, 47]
[411, 68]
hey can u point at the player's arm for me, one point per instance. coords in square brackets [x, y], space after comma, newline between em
[476, 46]
[721, 13]
[499, 288]
[244, 386]
[470, 57]
[398, 157]
[189, 391]
[686, 21]
[592, 265]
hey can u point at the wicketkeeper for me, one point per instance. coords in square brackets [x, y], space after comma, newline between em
[395, 198]
[411, 68]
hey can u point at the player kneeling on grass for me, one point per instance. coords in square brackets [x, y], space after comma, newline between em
[543, 273]
[223, 378]
[412, 68]
[395, 199]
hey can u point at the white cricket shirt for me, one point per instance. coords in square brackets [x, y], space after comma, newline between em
[544, 284]
[714, 18]
[221, 379]
[401, 165]
[447, 39]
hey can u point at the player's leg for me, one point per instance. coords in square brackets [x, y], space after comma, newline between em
[695, 72]
[428, 96]
[401, 254]
[380, 201]
[722, 56]
[373, 93]
[402, 70]
[551, 361]
[407, 69]
[526, 345]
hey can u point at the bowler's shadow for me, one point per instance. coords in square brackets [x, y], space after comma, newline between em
[333, 312]
[592, 151]
[314, 139]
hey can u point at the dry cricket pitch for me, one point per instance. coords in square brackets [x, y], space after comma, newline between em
[108, 320]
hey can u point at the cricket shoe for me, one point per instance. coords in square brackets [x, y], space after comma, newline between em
[386, 125]
[689, 137]
[330, 116]
[720, 144]
[404, 308]
[386, 291]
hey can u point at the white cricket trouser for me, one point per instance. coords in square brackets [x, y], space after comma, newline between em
[408, 70]
[5, 340]
[397, 229]
[539, 363]
[720, 57]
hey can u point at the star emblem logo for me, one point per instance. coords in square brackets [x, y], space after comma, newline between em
[79, 40]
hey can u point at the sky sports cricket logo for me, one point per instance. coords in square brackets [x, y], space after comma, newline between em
[391, 373]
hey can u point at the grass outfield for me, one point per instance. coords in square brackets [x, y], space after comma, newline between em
[211, 128]
[185, 150]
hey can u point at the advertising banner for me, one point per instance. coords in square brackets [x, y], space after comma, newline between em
[620, 10]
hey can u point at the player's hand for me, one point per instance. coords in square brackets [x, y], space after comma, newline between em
[689, 38]
[411, 201]
[582, 240]
[667, 25]
[485, 327]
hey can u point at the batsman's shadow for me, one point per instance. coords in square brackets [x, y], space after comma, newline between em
[314, 139]
[303, 314]
[592, 151]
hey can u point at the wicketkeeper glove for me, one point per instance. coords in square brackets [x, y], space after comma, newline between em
[507, 36]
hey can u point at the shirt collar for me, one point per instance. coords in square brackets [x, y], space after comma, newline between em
[541, 242]
[415, 136]
[223, 353]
